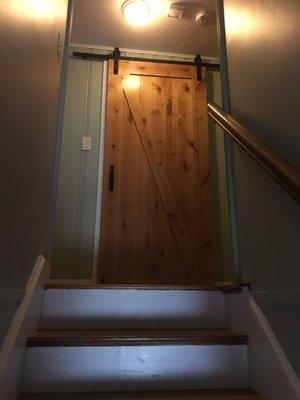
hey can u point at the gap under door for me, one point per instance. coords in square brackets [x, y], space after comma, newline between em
[156, 224]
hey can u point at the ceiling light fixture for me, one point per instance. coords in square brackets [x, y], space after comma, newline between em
[136, 12]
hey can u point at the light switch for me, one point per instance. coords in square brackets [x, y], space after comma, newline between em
[86, 143]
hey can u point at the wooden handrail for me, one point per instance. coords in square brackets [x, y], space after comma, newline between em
[277, 167]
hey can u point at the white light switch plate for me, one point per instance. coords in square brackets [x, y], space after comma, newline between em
[86, 143]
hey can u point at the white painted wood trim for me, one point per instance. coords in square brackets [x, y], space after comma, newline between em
[270, 372]
[274, 343]
[132, 309]
[161, 54]
[135, 368]
[26, 319]
[100, 172]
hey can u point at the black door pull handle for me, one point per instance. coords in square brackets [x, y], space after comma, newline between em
[111, 178]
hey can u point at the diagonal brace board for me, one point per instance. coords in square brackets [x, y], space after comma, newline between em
[173, 212]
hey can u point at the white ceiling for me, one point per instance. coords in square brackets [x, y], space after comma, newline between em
[101, 22]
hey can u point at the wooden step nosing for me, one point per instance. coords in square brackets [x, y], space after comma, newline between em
[229, 289]
[115, 343]
[208, 288]
[167, 394]
[144, 338]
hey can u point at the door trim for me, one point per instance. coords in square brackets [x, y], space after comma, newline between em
[100, 173]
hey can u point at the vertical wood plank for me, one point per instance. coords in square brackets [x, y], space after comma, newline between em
[173, 212]
[108, 256]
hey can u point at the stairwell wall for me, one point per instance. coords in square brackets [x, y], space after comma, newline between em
[31, 40]
[264, 83]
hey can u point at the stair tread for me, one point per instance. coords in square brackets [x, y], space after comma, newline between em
[133, 337]
[230, 288]
[220, 394]
[132, 287]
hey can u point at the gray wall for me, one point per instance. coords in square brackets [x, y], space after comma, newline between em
[285, 323]
[29, 81]
[264, 64]
[74, 224]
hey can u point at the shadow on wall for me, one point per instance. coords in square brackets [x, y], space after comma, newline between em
[264, 95]
[285, 323]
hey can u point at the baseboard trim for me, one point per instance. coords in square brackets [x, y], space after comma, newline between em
[25, 319]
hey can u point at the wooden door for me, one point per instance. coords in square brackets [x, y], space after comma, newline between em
[156, 213]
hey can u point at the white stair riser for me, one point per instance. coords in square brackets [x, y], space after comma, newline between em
[88, 369]
[132, 309]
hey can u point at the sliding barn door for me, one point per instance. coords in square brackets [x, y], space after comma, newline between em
[156, 213]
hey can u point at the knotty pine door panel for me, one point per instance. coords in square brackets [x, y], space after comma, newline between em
[156, 219]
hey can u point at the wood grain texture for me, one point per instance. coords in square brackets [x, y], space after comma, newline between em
[135, 287]
[155, 69]
[172, 210]
[156, 224]
[134, 338]
[226, 289]
[110, 209]
[221, 394]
